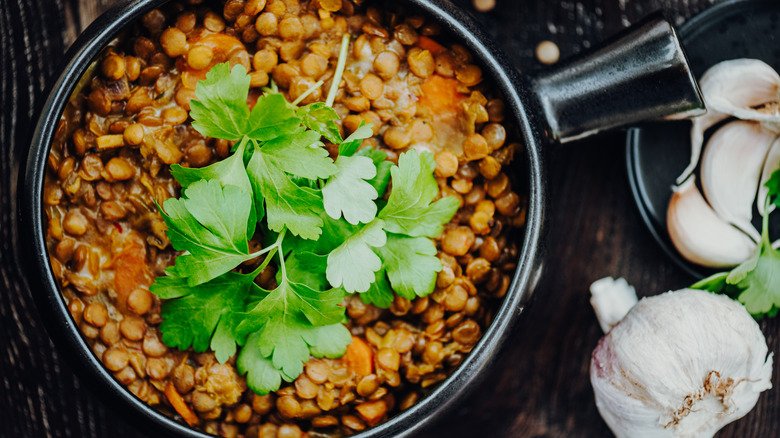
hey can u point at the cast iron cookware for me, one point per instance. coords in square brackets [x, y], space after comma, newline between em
[642, 74]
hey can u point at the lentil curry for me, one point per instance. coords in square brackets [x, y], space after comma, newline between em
[119, 135]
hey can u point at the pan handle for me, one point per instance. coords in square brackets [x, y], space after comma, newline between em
[642, 74]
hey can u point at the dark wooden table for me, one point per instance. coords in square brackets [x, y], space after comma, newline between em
[539, 387]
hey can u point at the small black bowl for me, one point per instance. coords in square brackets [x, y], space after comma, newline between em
[656, 153]
[617, 84]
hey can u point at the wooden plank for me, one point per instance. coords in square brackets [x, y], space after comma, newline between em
[539, 387]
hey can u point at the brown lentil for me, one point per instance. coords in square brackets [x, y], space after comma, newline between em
[132, 328]
[199, 57]
[446, 164]
[420, 62]
[396, 137]
[475, 147]
[387, 64]
[115, 359]
[96, 314]
[113, 67]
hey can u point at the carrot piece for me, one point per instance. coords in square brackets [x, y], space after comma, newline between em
[440, 94]
[430, 45]
[372, 412]
[359, 357]
[180, 406]
[130, 268]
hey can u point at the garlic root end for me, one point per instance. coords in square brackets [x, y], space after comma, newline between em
[611, 300]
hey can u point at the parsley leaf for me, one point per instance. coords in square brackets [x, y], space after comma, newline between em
[280, 350]
[307, 268]
[230, 171]
[272, 117]
[219, 109]
[285, 327]
[382, 178]
[773, 186]
[756, 282]
[379, 293]
[351, 144]
[411, 265]
[409, 210]
[299, 154]
[352, 264]
[202, 316]
[286, 203]
[759, 280]
[210, 222]
[322, 119]
[348, 191]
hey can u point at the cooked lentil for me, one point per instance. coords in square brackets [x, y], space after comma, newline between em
[109, 165]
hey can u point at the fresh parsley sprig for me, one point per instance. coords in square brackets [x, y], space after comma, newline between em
[756, 282]
[328, 235]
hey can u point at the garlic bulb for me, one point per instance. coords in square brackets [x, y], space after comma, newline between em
[680, 364]
[700, 235]
[733, 88]
[731, 169]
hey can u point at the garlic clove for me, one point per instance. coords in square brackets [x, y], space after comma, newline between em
[771, 164]
[731, 170]
[611, 300]
[734, 88]
[737, 86]
[700, 126]
[699, 235]
[680, 364]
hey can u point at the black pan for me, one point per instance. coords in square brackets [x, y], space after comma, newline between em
[641, 75]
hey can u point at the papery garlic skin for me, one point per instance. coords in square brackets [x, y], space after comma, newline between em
[731, 169]
[700, 235]
[731, 89]
[680, 364]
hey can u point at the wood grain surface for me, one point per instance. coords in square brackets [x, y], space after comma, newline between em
[539, 387]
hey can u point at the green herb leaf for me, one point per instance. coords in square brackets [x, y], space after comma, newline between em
[411, 265]
[409, 210]
[761, 284]
[280, 350]
[348, 191]
[756, 282]
[272, 117]
[210, 222]
[322, 119]
[307, 268]
[299, 154]
[202, 316]
[230, 171]
[219, 109]
[713, 283]
[351, 144]
[352, 264]
[261, 375]
[288, 325]
[773, 186]
[379, 293]
[382, 178]
[287, 204]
